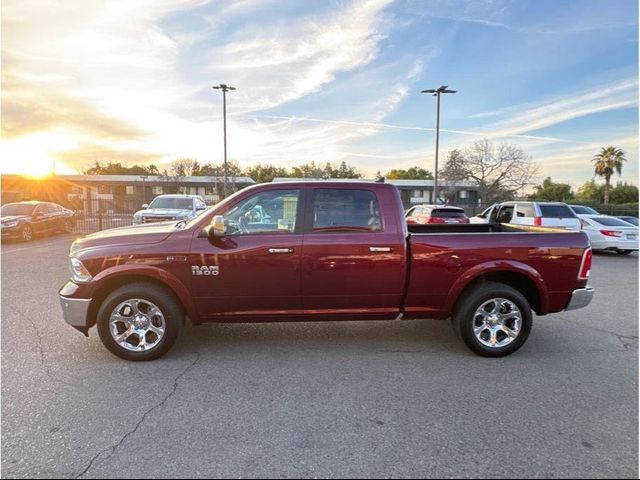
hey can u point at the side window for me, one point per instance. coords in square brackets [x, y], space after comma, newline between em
[525, 210]
[273, 211]
[506, 214]
[345, 210]
[41, 209]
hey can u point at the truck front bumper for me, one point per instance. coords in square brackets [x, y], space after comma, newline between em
[581, 297]
[75, 312]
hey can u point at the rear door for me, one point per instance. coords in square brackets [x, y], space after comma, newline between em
[353, 253]
[558, 215]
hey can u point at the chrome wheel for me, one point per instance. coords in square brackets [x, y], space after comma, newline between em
[497, 322]
[137, 325]
[27, 233]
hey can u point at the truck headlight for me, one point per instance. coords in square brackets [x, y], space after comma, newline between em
[79, 273]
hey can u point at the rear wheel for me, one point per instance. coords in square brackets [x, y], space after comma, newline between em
[623, 252]
[139, 321]
[493, 319]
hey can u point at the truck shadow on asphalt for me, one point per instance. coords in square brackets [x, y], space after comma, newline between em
[413, 336]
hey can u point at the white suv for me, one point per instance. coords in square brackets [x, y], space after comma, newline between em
[542, 214]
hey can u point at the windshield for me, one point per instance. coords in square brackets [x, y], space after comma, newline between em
[611, 222]
[17, 209]
[584, 210]
[172, 203]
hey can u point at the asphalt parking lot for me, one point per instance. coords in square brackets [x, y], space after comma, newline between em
[371, 399]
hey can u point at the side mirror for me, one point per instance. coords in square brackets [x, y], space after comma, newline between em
[201, 207]
[145, 205]
[218, 228]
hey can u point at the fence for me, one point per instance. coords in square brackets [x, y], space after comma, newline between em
[99, 214]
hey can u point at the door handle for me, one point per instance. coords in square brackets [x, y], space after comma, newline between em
[281, 250]
[380, 249]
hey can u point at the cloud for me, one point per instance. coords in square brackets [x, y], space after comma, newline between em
[528, 118]
[275, 64]
[29, 107]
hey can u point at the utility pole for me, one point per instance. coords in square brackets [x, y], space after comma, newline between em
[225, 89]
[436, 93]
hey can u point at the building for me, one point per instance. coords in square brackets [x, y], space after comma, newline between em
[112, 193]
[416, 192]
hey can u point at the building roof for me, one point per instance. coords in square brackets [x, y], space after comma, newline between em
[398, 183]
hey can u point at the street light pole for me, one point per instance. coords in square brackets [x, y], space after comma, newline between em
[436, 93]
[225, 89]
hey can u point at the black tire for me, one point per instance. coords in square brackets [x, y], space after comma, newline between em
[162, 298]
[26, 233]
[623, 252]
[463, 317]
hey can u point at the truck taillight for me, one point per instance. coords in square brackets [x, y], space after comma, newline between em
[537, 221]
[585, 267]
[611, 233]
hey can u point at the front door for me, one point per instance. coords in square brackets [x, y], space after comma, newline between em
[353, 261]
[254, 270]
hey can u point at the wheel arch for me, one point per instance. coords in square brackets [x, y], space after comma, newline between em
[107, 282]
[517, 275]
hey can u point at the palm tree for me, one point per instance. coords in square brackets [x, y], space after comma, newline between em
[608, 162]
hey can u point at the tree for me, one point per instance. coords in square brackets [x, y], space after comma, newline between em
[345, 171]
[451, 175]
[308, 170]
[498, 170]
[608, 162]
[589, 192]
[265, 173]
[116, 168]
[550, 191]
[624, 193]
[213, 170]
[413, 173]
[185, 167]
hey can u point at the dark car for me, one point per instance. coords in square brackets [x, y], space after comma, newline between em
[629, 219]
[23, 220]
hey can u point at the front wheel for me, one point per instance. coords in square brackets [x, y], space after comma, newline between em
[623, 252]
[26, 233]
[493, 319]
[139, 321]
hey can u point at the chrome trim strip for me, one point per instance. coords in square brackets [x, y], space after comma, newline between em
[74, 310]
[580, 298]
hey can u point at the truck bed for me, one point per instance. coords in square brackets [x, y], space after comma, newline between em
[480, 228]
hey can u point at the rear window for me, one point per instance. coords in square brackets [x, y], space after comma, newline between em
[345, 210]
[525, 210]
[556, 211]
[610, 222]
[447, 213]
[583, 210]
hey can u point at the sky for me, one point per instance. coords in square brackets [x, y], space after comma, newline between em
[130, 81]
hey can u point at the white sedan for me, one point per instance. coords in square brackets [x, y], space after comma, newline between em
[610, 233]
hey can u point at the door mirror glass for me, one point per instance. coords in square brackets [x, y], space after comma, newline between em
[218, 228]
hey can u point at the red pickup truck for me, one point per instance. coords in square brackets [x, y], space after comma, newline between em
[305, 251]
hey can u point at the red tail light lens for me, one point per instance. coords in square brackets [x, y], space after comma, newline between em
[611, 233]
[537, 221]
[435, 220]
[585, 267]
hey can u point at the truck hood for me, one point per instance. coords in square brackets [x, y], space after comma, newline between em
[164, 211]
[134, 235]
